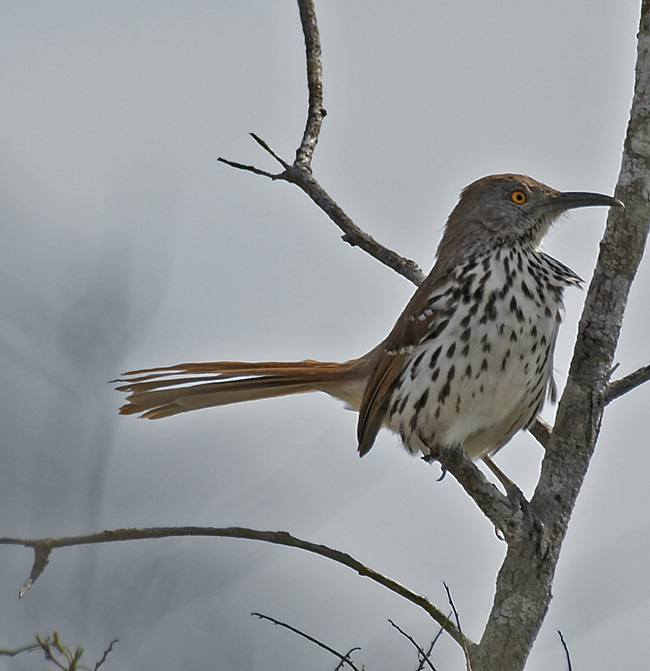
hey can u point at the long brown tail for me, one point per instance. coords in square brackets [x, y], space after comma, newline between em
[162, 392]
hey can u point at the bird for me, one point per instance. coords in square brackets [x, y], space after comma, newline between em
[468, 363]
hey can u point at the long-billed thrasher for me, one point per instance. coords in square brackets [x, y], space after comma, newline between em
[468, 362]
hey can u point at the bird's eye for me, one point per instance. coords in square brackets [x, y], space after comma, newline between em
[518, 197]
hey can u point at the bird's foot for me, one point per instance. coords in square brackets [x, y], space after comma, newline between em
[532, 529]
[432, 458]
[523, 513]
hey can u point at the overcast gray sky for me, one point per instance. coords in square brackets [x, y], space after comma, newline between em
[125, 244]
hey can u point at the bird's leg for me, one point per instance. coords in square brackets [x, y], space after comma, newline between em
[516, 497]
[508, 484]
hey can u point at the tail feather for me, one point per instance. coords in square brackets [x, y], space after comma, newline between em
[162, 392]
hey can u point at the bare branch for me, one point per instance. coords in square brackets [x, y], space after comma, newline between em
[431, 646]
[524, 584]
[106, 653]
[347, 655]
[274, 537]
[424, 657]
[468, 663]
[627, 383]
[250, 168]
[262, 143]
[300, 172]
[494, 505]
[314, 83]
[344, 658]
[541, 431]
[566, 651]
[353, 235]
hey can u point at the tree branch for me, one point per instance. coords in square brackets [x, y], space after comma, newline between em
[344, 658]
[44, 546]
[499, 509]
[300, 172]
[628, 383]
[523, 590]
[316, 112]
[566, 651]
[541, 431]
[424, 656]
[468, 662]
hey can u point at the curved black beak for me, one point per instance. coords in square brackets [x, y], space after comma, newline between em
[569, 200]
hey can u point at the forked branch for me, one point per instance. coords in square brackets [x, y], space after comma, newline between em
[44, 546]
[300, 172]
[344, 659]
[628, 383]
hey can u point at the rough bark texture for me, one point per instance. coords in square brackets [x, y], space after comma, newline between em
[523, 591]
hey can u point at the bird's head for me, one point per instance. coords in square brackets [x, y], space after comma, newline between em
[509, 210]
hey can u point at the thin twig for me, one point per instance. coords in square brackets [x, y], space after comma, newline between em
[250, 168]
[627, 383]
[352, 234]
[566, 651]
[262, 143]
[423, 655]
[106, 653]
[316, 112]
[460, 629]
[46, 545]
[320, 644]
[432, 645]
[300, 172]
[347, 655]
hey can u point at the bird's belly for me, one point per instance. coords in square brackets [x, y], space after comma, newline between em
[475, 390]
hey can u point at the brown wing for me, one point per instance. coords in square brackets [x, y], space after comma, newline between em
[411, 328]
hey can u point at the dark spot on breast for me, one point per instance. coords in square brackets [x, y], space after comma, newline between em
[434, 357]
[416, 364]
[485, 277]
[444, 392]
[438, 329]
[422, 401]
[526, 291]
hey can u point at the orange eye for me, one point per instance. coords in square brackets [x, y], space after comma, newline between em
[518, 197]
